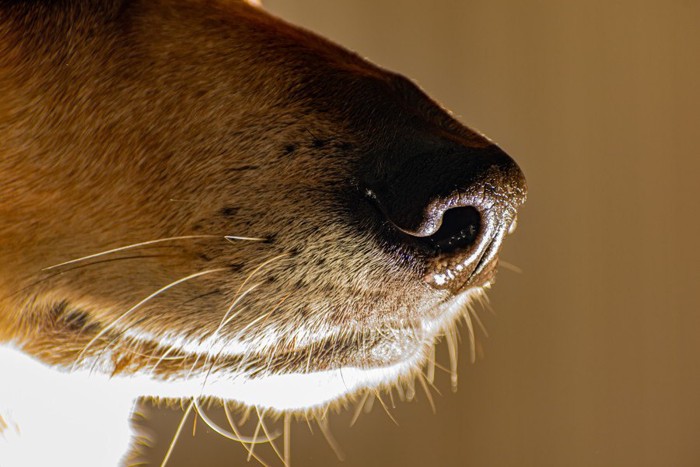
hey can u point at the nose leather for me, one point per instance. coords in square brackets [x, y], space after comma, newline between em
[415, 193]
[477, 189]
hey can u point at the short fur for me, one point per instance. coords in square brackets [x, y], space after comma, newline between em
[133, 121]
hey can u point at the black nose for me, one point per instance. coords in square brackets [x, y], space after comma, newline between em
[456, 203]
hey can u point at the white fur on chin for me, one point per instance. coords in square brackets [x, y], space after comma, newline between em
[53, 417]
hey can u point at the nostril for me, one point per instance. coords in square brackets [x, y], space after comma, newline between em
[445, 208]
[459, 229]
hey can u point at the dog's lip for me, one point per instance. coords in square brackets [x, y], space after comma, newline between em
[379, 349]
[255, 379]
[383, 346]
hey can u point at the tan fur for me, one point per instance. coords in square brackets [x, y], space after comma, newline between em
[130, 122]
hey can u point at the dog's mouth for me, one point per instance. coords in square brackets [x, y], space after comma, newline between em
[312, 373]
[298, 364]
[288, 363]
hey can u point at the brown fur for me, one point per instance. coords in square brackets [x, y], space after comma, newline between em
[124, 122]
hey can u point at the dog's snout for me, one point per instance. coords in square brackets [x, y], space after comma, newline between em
[455, 205]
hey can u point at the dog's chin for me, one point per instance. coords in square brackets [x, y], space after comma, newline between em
[306, 378]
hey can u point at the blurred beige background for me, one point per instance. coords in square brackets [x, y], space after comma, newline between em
[592, 354]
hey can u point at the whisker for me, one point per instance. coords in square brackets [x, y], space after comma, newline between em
[243, 361]
[421, 380]
[431, 364]
[400, 392]
[442, 367]
[177, 433]
[386, 409]
[246, 415]
[226, 320]
[162, 358]
[225, 433]
[308, 422]
[432, 385]
[509, 266]
[478, 320]
[411, 388]
[358, 409]
[370, 402]
[111, 260]
[139, 304]
[452, 350]
[60, 273]
[261, 417]
[255, 437]
[483, 300]
[112, 341]
[258, 268]
[323, 425]
[152, 355]
[308, 359]
[229, 417]
[128, 247]
[215, 334]
[170, 359]
[342, 379]
[288, 439]
[472, 336]
[194, 422]
[234, 238]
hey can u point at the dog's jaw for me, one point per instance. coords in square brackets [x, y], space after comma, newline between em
[47, 410]
[54, 408]
[391, 361]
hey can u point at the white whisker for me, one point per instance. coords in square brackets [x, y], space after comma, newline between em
[225, 433]
[138, 305]
[129, 247]
[216, 332]
[369, 403]
[255, 437]
[226, 320]
[234, 238]
[177, 433]
[261, 416]
[386, 409]
[452, 350]
[478, 320]
[421, 380]
[410, 388]
[472, 336]
[287, 439]
[510, 266]
[358, 408]
[231, 423]
[431, 364]
[323, 425]
[162, 357]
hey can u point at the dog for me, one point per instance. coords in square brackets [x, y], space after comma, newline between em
[200, 201]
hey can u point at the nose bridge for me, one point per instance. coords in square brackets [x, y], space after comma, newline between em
[416, 188]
